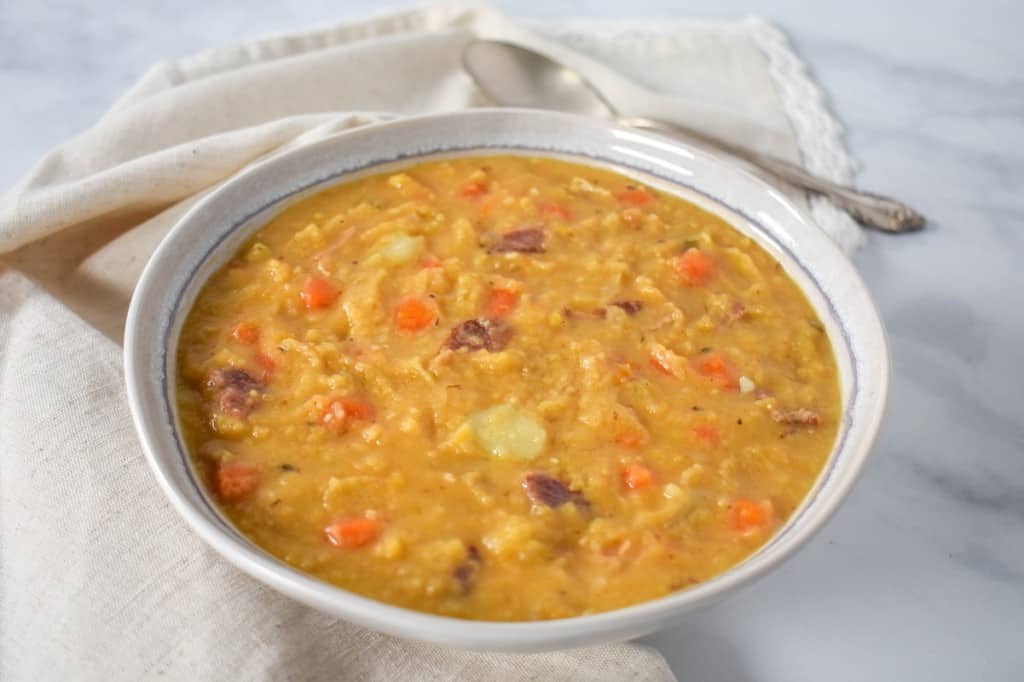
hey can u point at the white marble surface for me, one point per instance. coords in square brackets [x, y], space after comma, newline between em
[920, 576]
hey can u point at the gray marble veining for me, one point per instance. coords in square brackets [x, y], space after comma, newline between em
[920, 576]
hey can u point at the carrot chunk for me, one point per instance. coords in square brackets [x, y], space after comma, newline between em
[635, 196]
[430, 261]
[657, 364]
[695, 267]
[637, 476]
[749, 514]
[552, 211]
[718, 370]
[317, 293]
[267, 364]
[246, 332]
[341, 412]
[628, 439]
[414, 314]
[357, 409]
[351, 533]
[706, 433]
[474, 190]
[500, 302]
[235, 480]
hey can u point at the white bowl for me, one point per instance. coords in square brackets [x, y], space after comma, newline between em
[208, 235]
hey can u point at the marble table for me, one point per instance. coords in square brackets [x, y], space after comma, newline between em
[920, 576]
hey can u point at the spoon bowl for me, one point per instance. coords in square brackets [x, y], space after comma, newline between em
[516, 76]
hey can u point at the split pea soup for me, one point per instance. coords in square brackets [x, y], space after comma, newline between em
[505, 388]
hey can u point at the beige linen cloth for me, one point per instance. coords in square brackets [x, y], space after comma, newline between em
[99, 578]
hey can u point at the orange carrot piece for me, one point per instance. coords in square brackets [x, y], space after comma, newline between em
[235, 480]
[246, 332]
[718, 370]
[474, 190]
[334, 416]
[266, 363]
[341, 412]
[750, 515]
[414, 314]
[555, 211]
[318, 293]
[637, 477]
[430, 261]
[695, 267]
[706, 433]
[500, 302]
[357, 409]
[351, 533]
[628, 439]
[635, 196]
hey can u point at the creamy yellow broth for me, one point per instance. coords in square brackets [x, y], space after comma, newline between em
[505, 388]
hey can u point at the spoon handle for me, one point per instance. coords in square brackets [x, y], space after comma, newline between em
[870, 209]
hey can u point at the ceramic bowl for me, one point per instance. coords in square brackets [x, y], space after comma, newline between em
[209, 234]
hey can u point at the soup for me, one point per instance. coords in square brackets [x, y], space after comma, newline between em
[505, 388]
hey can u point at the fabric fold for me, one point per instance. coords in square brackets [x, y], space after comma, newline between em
[99, 578]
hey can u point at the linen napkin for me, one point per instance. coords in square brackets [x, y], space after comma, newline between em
[99, 578]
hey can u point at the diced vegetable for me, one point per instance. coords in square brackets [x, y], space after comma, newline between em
[635, 196]
[750, 515]
[501, 301]
[474, 189]
[400, 249]
[628, 439]
[318, 293]
[430, 261]
[695, 267]
[637, 476]
[351, 533]
[706, 433]
[746, 385]
[508, 431]
[414, 314]
[657, 363]
[235, 481]
[552, 211]
[357, 409]
[717, 369]
[341, 412]
[246, 332]
[267, 364]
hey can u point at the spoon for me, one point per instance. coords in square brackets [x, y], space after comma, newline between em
[513, 75]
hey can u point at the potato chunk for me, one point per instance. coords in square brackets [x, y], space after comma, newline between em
[400, 249]
[507, 431]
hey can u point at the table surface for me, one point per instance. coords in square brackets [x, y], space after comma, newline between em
[921, 573]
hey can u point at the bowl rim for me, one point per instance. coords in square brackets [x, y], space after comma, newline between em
[496, 635]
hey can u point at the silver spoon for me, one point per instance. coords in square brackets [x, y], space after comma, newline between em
[513, 75]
